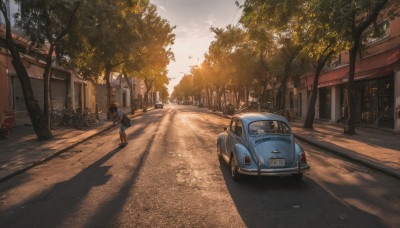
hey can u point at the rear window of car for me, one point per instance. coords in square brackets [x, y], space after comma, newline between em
[264, 127]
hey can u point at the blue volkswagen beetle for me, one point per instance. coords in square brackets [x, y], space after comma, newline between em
[261, 144]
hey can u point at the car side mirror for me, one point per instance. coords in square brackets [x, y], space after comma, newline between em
[225, 128]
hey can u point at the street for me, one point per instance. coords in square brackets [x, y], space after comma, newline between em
[169, 176]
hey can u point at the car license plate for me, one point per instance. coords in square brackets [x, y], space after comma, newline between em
[276, 162]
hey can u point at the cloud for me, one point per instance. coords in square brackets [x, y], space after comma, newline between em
[162, 8]
[193, 19]
[211, 20]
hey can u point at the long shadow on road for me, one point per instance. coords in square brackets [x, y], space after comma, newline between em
[278, 202]
[109, 211]
[54, 205]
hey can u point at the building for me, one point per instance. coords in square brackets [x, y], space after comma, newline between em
[11, 95]
[377, 84]
[68, 90]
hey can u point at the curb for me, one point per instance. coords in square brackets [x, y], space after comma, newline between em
[349, 155]
[106, 127]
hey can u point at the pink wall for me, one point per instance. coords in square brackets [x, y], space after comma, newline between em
[3, 89]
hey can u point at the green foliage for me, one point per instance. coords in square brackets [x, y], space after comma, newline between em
[45, 20]
[105, 33]
[164, 94]
[155, 55]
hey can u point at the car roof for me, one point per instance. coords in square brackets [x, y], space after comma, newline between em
[257, 116]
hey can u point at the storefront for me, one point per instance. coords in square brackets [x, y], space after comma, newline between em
[325, 102]
[377, 101]
[374, 101]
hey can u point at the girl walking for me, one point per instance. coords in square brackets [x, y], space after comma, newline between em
[118, 113]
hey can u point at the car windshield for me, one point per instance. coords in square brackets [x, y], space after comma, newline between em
[268, 127]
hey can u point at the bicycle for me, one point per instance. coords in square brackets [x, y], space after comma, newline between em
[56, 118]
[67, 119]
[89, 118]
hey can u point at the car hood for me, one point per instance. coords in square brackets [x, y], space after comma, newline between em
[273, 147]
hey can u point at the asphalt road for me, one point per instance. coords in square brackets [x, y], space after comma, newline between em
[169, 175]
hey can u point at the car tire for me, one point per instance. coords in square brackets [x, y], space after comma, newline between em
[297, 177]
[236, 176]
[6, 134]
[219, 154]
[219, 151]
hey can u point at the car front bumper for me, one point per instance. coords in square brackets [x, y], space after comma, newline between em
[274, 172]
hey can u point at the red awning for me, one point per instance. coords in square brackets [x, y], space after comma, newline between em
[370, 67]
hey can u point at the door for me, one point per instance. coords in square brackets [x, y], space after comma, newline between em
[124, 99]
[235, 135]
[325, 103]
[227, 133]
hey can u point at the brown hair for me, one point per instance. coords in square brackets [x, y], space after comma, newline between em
[113, 108]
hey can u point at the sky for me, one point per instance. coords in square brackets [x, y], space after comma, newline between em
[193, 19]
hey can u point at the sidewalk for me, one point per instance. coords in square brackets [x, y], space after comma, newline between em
[375, 148]
[22, 151]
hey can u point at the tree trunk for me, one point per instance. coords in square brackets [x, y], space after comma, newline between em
[40, 126]
[133, 106]
[225, 98]
[349, 126]
[209, 99]
[47, 86]
[282, 88]
[149, 85]
[237, 96]
[281, 98]
[146, 97]
[247, 95]
[311, 107]
[219, 94]
[108, 83]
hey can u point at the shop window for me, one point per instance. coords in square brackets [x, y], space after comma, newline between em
[325, 103]
[377, 102]
[369, 102]
[291, 100]
[376, 33]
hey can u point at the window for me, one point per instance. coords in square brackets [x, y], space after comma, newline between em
[268, 127]
[232, 126]
[238, 128]
[376, 33]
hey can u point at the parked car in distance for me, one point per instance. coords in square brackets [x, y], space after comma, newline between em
[261, 144]
[159, 104]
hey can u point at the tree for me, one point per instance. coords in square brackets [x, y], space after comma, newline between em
[325, 41]
[265, 51]
[46, 22]
[163, 93]
[39, 123]
[357, 16]
[156, 34]
[99, 44]
[281, 18]
[220, 57]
